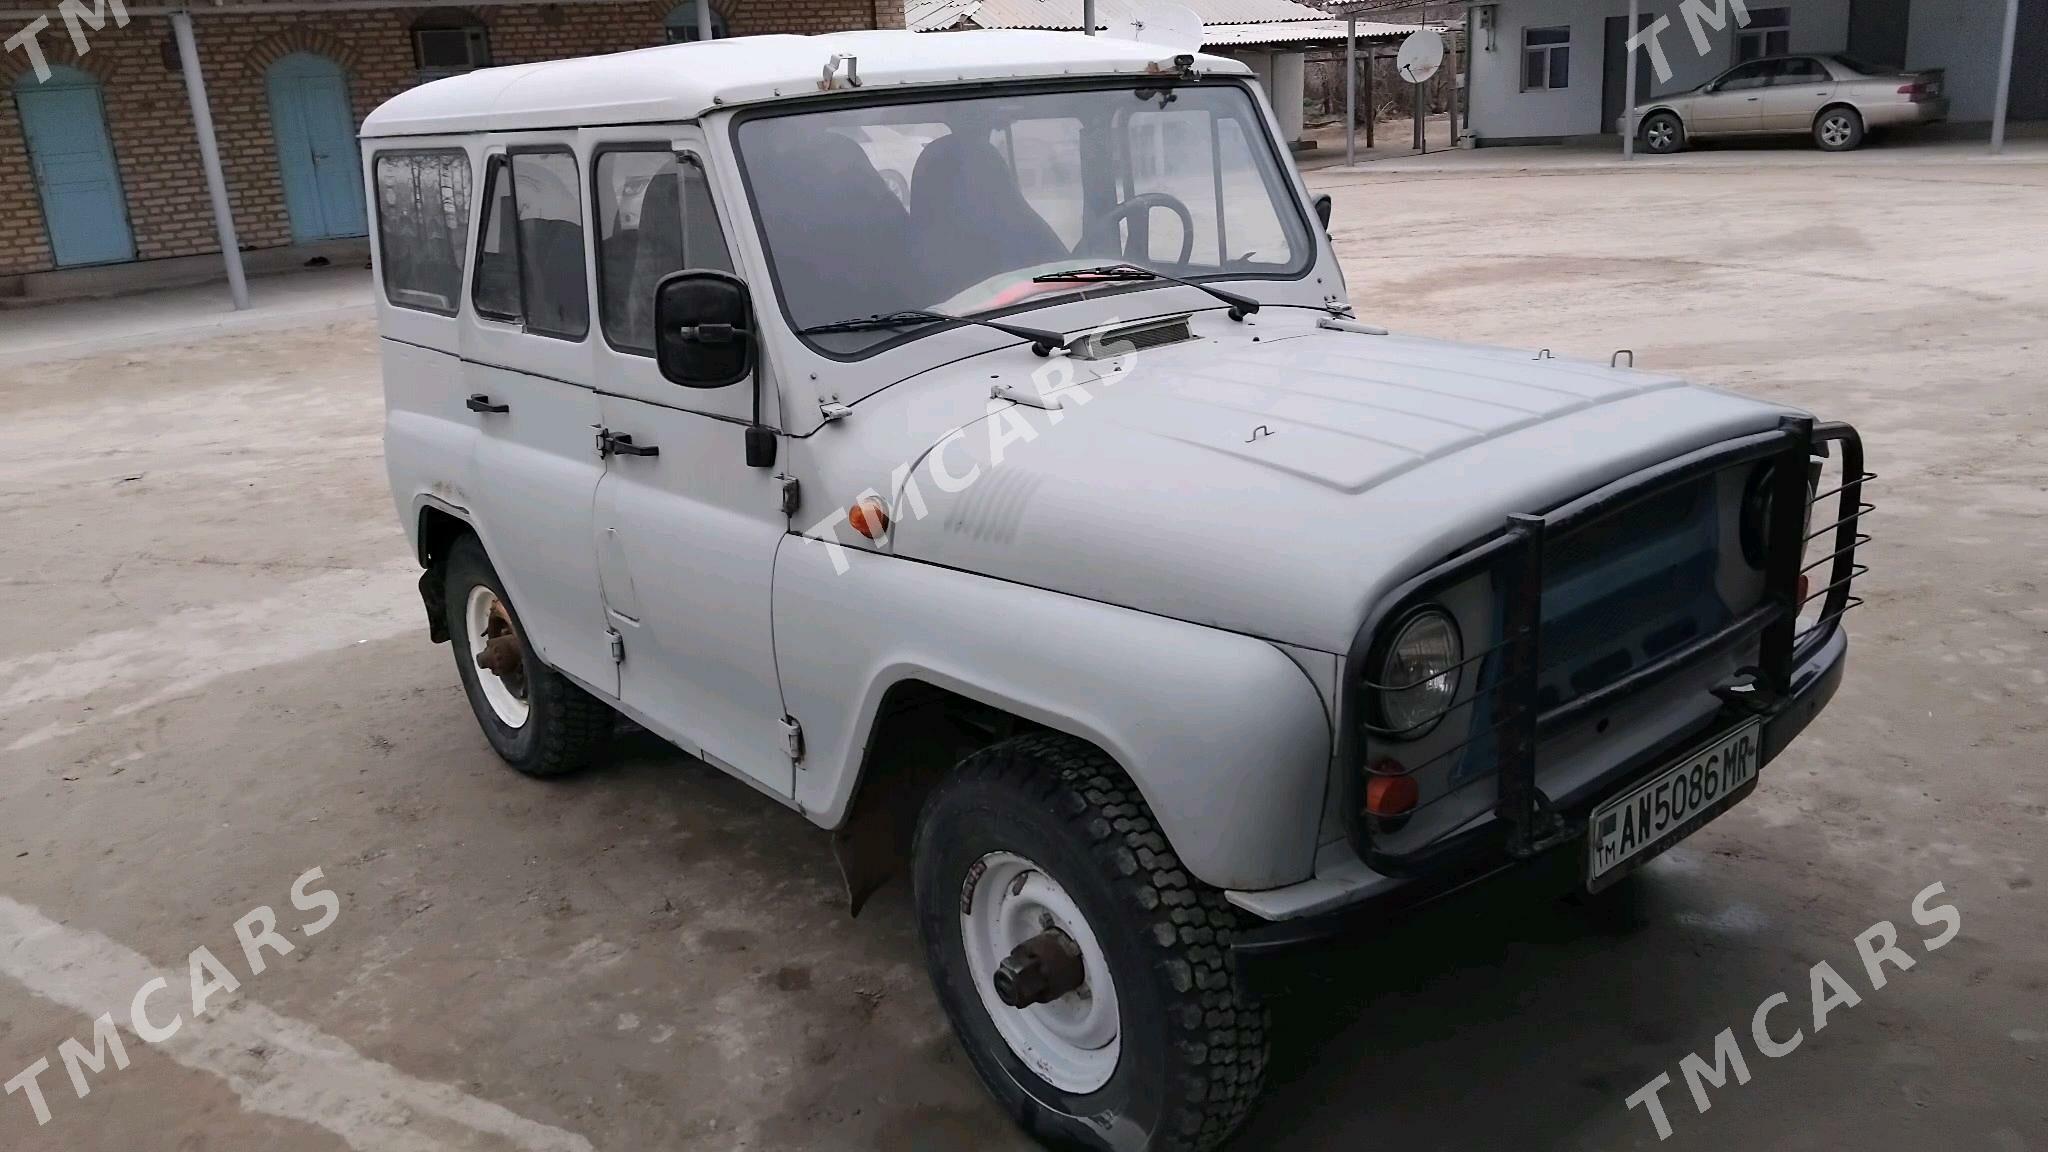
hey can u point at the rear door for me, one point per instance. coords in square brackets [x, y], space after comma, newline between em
[528, 372]
[1736, 103]
[1800, 87]
[686, 536]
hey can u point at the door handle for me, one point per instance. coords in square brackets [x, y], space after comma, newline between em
[478, 402]
[610, 443]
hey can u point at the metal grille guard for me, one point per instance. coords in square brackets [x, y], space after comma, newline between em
[1515, 558]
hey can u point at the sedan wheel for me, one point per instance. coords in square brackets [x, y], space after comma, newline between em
[1838, 130]
[1663, 134]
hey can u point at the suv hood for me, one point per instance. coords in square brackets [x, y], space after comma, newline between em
[1275, 478]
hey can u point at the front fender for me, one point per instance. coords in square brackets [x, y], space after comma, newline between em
[1223, 734]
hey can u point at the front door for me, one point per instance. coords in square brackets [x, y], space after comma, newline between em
[1736, 104]
[73, 162]
[316, 148]
[687, 535]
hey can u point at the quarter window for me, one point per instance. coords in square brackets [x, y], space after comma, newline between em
[423, 227]
[655, 217]
[529, 266]
[1546, 58]
[1768, 33]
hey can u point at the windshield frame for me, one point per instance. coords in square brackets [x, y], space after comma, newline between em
[1287, 198]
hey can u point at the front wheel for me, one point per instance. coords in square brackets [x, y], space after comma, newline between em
[1838, 130]
[1663, 133]
[1085, 972]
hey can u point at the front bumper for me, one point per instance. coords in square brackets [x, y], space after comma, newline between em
[1483, 853]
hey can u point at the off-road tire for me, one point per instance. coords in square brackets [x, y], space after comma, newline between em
[1193, 1054]
[566, 729]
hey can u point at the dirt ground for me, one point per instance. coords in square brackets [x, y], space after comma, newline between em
[213, 677]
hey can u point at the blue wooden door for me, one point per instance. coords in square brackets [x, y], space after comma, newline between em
[73, 159]
[316, 148]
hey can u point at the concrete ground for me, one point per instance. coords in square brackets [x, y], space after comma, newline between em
[213, 678]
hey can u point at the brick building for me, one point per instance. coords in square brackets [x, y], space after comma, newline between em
[99, 163]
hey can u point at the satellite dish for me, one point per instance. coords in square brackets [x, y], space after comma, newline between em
[1160, 22]
[1422, 53]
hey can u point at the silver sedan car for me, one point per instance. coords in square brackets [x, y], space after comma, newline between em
[1834, 99]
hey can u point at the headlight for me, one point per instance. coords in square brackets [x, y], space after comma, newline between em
[1419, 674]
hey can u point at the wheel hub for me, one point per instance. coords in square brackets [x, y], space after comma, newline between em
[1041, 972]
[500, 658]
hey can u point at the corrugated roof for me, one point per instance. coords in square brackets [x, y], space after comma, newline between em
[1299, 32]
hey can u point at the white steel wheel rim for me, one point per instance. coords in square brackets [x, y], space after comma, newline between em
[1074, 1042]
[508, 706]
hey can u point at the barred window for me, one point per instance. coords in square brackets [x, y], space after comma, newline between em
[423, 227]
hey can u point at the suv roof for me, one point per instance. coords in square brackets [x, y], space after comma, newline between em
[683, 81]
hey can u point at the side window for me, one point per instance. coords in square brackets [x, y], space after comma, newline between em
[529, 265]
[423, 227]
[1546, 59]
[1757, 75]
[655, 216]
[1798, 72]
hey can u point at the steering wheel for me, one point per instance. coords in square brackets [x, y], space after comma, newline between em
[1142, 204]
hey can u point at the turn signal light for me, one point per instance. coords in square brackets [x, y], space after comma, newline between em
[1805, 587]
[869, 517]
[1390, 795]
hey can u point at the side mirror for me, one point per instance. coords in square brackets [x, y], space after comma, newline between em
[703, 329]
[1324, 204]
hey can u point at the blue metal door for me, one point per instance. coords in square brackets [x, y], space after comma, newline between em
[316, 148]
[73, 159]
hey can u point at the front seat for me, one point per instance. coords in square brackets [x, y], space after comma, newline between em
[970, 218]
[839, 237]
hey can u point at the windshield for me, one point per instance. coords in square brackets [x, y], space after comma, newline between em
[954, 205]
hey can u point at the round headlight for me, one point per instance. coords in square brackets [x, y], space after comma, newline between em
[1419, 676]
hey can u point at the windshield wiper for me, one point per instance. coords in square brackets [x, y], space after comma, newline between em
[1042, 342]
[1240, 306]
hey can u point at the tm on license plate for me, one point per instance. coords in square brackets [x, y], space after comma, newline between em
[1670, 805]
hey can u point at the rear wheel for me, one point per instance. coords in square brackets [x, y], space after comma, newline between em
[535, 718]
[1663, 133]
[1838, 130]
[1085, 972]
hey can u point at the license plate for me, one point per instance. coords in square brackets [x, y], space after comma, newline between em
[1671, 805]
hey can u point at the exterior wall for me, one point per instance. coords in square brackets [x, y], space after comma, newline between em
[1965, 37]
[1501, 110]
[150, 123]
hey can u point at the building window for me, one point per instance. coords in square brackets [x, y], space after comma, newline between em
[681, 24]
[423, 227]
[654, 217]
[1546, 58]
[1768, 33]
[449, 42]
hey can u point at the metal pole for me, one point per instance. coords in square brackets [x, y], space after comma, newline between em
[1351, 89]
[1457, 97]
[2002, 104]
[209, 158]
[1372, 118]
[1628, 95]
[1088, 17]
[704, 31]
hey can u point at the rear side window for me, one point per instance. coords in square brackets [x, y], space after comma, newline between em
[423, 227]
[655, 217]
[529, 266]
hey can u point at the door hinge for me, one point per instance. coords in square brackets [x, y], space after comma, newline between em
[618, 643]
[792, 495]
[793, 739]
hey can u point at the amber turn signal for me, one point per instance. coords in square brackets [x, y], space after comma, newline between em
[869, 517]
[1390, 795]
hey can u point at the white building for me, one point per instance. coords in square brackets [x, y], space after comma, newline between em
[1273, 37]
[1550, 70]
